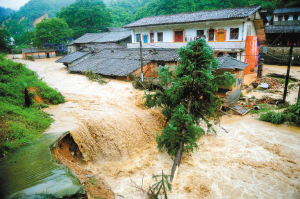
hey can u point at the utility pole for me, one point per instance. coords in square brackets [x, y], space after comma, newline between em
[299, 93]
[288, 69]
[141, 53]
[30, 45]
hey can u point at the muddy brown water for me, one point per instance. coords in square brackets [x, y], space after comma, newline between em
[117, 138]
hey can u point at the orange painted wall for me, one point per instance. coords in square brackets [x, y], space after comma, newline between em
[251, 53]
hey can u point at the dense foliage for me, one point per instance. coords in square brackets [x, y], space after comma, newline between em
[5, 12]
[4, 41]
[54, 31]
[291, 115]
[20, 125]
[86, 16]
[189, 97]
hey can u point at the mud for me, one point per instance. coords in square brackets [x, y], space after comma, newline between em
[117, 139]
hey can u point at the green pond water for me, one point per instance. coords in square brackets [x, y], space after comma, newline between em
[31, 172]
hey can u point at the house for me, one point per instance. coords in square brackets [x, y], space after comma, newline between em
[236, 67]
[282, 29]
[120, 63]
[234, 31]
[86, 52]
[111, 35]
[38, 53]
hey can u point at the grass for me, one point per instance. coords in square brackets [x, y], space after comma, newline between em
[95, 77]
[290, 115]
[20, 125]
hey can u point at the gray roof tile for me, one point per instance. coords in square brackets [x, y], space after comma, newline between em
[282, 29]
[103, 37]
[70, 58]
[228, 62]
[230, 13]
[286, 10]
[89, 37]
[122, 62]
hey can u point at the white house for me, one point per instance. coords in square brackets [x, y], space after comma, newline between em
[234, 31]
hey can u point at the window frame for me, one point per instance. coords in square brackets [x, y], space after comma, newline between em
[295, 17]
[234, 35]
[199, 35]
[137, 39]
[280, 17]
[160, 36]
[234, 55]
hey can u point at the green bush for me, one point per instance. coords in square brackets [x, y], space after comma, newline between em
[273, 117]
[20, 125]
[95, 77]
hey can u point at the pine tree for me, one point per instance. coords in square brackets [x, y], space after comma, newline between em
[188, 98]
[162, 186]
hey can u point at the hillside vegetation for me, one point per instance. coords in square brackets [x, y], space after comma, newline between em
[20, 125]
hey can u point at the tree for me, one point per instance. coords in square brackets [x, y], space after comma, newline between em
[162, 186]
[189, 97]
[86, 16]
[5, 41]
[54, 31]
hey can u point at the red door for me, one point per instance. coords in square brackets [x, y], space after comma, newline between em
[178, 36]
[151, 37]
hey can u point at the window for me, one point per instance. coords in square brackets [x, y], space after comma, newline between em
[138, 37]
[286, 17]
[200, 34]
[220, 54]
[280, 18]
[234, 33]
[211, 36]
[295, 17]
[160, 36]
[234, 55]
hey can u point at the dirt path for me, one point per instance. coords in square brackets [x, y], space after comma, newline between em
[254, 160]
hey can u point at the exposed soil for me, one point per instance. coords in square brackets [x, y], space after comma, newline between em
[116, 137]
[67, 152]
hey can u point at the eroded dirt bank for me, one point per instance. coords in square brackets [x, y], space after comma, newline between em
[117, 139]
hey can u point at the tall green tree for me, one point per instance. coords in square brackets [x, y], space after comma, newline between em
[86, 16]
[5, 41]
[189, 98]
[55, 31]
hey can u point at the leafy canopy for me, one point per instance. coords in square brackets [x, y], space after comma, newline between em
[54, 31]
[189, 97]
[86, 16]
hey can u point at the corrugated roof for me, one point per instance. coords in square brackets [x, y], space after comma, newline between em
[228, 62]
[122, 62]
[113, 37]
[70, 58]
[286, 10]
[283, 29]
[36, 50]
[230, 13]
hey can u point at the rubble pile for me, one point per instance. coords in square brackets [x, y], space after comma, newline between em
[271, 82]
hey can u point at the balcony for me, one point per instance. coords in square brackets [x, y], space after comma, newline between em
[221, 46]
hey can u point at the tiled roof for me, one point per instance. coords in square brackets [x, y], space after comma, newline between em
[100, 47]
[89, 37]
[116, 29]
[113, 37]
[103, 37]
[228, 62]
[69, 58]
[286, 10]
[282, 29]
[122, 62]
[209, 15]
[36, 50]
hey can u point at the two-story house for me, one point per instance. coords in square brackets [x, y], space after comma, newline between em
[231, 31]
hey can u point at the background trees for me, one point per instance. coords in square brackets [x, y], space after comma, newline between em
[4, 41]
[86, 16]
[55, 31]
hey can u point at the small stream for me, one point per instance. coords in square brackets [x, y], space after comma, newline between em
[31, 172]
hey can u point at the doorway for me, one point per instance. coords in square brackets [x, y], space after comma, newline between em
[145, 38]
[179, 36]
[47, 55]
[152, 37]
[211, 35]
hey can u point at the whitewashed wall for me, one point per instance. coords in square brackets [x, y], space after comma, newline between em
[191, 30]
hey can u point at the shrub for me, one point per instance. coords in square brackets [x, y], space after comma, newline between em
[95, 77]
